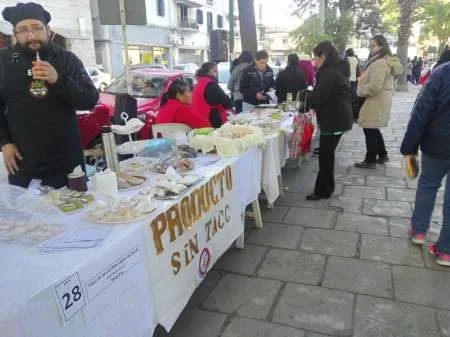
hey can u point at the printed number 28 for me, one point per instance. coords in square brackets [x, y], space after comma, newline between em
[76, 294]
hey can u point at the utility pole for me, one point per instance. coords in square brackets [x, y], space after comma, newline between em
[231, 33]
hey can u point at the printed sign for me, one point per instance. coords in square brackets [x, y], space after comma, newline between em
[70, 296]
[188, 238]
[112, 273]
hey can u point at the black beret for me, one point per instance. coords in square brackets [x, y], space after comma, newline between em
[24, 11]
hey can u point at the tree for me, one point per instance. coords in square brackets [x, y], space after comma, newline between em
[435, 17]
[247, 25]
[366, 14]
[308, 35]
[338, 28]
[407, 8]
[390, 14]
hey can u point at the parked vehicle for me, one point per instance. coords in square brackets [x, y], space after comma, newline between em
[188, 67]
[147, 86]
[100, 78]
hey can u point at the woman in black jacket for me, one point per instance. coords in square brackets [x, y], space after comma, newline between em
[331, 99]
[290, 80]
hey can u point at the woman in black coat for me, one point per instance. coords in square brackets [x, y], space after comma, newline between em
[290, 80]
[331, 99]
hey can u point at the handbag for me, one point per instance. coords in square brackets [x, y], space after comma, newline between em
[357, 103]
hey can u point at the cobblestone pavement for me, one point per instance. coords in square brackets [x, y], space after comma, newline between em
[340, 267]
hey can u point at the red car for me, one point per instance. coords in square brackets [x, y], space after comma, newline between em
[147, 86]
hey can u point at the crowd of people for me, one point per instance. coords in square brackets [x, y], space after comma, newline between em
[340, 91]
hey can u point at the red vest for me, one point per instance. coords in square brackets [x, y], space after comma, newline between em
[199, 103]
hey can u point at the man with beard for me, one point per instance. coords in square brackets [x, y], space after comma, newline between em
[41, 87]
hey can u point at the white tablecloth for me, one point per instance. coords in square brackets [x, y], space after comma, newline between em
[274, 159]
[122, 307]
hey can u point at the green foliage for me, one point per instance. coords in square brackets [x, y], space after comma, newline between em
[308, 35]
[338, 28]
[390, 14]
[366, 14]
[435, 18]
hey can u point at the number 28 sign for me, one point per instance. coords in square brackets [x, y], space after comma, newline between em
[70, 296]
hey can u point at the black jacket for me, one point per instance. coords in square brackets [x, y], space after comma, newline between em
[332, 99]
[429, 126]
[44, 130]
[290, 80]
[252, 83]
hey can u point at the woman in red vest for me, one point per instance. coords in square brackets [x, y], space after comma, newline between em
[208, 99]
[176, 107]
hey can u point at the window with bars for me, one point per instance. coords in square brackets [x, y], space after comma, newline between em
[199, 17]
[219, 21]
[161, 10]
[209, 21]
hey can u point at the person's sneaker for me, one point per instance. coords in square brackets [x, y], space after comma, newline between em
[382, 160]
[417, 238]
[442, 259]
[366, 165]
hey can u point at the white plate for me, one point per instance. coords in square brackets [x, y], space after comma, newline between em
[146, 163]
[177, 196]
[118, 222]
[135, 187]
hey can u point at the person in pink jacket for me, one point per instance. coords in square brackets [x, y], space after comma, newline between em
[306, 66]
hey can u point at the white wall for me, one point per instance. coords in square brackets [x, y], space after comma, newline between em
[65, 21]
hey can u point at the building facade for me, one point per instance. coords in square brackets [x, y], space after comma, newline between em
[71, 23]
[176, 33]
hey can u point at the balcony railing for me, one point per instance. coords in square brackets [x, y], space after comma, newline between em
[187, 24]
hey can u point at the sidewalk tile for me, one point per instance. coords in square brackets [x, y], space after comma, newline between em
[375, 317]
[390, 250]
[243, 327]
[317, 309]
[310, 217]
[363, 277]
[292, 266]
[422, 286]
[245, 296]
[276, 235]
[330, 242]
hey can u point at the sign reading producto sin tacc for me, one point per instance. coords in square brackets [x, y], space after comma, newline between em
[187, 229]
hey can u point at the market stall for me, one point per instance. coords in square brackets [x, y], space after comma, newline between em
[143, 272]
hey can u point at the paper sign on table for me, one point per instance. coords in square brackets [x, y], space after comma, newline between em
[70, 296]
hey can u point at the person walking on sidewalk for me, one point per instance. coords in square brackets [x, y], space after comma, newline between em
[331, 99]
[429, 129]
[375, 86]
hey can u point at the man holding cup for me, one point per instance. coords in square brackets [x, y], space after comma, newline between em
[41, 87]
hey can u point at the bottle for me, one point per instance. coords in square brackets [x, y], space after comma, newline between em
[109, 148]
[38, 88]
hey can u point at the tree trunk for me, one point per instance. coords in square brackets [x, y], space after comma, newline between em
[247, 26]
[407, 8]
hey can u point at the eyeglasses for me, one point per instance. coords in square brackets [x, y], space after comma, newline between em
[27, 31]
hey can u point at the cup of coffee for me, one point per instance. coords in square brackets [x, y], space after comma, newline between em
[77, 182]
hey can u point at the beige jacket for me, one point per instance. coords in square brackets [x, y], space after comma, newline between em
[376, 85]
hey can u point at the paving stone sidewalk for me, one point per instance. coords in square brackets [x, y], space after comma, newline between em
[339, 267]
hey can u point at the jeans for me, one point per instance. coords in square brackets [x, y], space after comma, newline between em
[433, 171]
[374, 145]
[325, 178]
